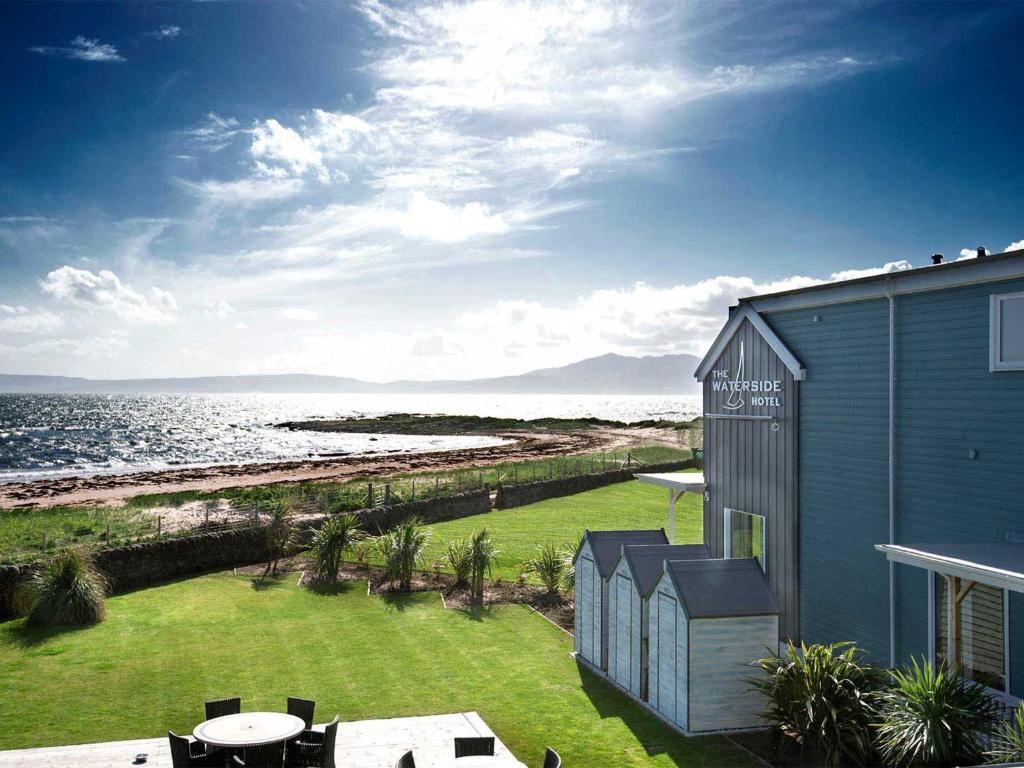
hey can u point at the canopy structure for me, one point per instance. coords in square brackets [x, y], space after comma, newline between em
[964, 566]
[677, 483]
[998, 564]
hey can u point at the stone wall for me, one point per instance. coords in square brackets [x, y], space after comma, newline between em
[381, 519]
[530, 493]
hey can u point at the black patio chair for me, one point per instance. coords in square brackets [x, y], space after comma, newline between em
[473, 746]
[262, 756]
[315, 749]
[302, 709]
[552, 759]
[406, 761]
[222, 707]
[186, 753]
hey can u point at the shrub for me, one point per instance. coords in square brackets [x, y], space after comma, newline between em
[549, 567]
[68, 590]
[402, 549]
[280, 535]
[481, 558]
[1008, 743]
[569, 574]
[934, 717]
[825, 696]
[335, 536]
[458, 555]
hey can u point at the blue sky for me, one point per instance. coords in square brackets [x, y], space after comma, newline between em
[467, 189]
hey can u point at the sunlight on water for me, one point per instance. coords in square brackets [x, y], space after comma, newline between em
[54, 435]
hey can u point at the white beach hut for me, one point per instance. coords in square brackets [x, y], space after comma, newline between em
[637, 571]
[594, 561]
[709, 619]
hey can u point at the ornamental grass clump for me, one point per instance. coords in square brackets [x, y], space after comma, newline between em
[549, 567]
[1008, 740]
[402, 549]
[337, 535]
[458, 555]
[934, 717]
[825, 696]
[68, 591]
[482, 556]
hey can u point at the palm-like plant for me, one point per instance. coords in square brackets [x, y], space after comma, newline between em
[280, 535]
[825, 695]
[934, 717]
[1008, 744]
[569, 574]
[338, 534]
[458, 554]
[549, 567]
[68, 591]
[482, 556]
[402, 549]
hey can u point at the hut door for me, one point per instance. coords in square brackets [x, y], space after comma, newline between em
[667, 656]
[587, 609]
[623, 630]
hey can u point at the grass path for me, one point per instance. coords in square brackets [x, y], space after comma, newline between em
[165, 650]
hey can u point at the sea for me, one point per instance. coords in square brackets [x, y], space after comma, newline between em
[51, 436]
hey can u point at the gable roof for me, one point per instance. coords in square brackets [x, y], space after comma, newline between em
[712, 589]
[735, 322]
[646, 562]
[607, 545]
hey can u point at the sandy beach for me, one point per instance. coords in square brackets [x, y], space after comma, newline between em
[115, 490]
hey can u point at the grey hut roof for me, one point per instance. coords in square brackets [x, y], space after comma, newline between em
[710, 589]
[607, 545]
[647, 561]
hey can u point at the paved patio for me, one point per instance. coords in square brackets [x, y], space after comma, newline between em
[361, 744]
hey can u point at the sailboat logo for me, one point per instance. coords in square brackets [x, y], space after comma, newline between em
[735, 402]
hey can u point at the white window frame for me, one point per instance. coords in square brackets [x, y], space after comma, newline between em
[1004, 693]
[764, 535]
[995, 333]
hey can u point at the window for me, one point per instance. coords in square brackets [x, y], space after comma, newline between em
[979, 639]
[744, 536]
[1007, 333]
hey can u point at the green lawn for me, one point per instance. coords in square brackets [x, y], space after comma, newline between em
[164, 650]
[518, 532]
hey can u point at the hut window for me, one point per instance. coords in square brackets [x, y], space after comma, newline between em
[1007, 332]
[744, 536]
[977, 642]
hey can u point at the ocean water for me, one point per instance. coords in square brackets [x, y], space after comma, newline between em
[44, 436]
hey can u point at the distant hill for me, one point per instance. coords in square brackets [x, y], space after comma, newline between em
[605, 375]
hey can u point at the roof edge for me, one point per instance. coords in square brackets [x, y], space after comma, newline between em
[749, 313]
[994, 267]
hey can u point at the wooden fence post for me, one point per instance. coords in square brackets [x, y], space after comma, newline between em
[414, 490]
[369, 496]
[159, 524]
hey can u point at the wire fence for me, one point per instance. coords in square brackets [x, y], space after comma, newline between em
[246, 507]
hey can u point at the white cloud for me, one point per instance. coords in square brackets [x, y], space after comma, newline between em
[81, 49]
[853, 274]
[166, 32]
[213, 134]
[243, 192]
[1015, 246]
[96, 347]
[296, 313]
[279, 145]
[105, 291]
[217, 309]
[21, 319]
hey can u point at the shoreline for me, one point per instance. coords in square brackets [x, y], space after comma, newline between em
[116, 490]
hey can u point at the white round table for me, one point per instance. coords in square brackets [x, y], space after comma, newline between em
[247, 729]
[478, 761]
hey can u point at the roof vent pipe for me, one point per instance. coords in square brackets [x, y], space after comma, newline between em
[981, 252]
[936, 258]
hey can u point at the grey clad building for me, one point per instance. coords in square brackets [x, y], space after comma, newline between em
[864, 442]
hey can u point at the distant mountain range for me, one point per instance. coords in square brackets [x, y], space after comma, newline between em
[605, 375]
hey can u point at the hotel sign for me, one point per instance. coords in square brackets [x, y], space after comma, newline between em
[741, 391]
